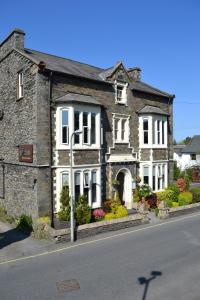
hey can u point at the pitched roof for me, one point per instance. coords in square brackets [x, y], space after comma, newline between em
[178, 148]
[63, 65]
[193, 146]
[75, 68]
[74, 97]
[148, 109]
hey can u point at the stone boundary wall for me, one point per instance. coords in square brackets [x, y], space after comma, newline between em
[92, 229]
[183, 210]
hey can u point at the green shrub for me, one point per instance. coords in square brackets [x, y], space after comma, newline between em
[64, 213]
[25, 223]
[82, 211]
[45, 220]
[175, 204]
[109, 216]
[136, 197]
[177, 171]
[196, 194]
[175, 189]
[189, 173]
[185, 198]
[121, 212]
[168, 196]
[107, 205]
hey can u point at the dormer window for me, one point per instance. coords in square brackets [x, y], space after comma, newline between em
[120, 92]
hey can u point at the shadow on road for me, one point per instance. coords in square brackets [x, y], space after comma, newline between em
[146, 281]
[12, 236]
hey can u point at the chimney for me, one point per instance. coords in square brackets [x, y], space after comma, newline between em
[14, 40]
[134, 73]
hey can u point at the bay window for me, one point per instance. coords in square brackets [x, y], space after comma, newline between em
[153, 131]
[86, 120]
[87, 182]
[155, 175]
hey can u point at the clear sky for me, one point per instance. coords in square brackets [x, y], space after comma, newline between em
[160, 36]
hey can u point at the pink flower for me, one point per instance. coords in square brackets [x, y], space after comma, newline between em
[98, 213]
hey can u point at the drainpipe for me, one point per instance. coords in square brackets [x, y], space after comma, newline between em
[50, 145]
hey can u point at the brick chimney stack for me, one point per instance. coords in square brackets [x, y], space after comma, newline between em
[134, 73]
[14, 40]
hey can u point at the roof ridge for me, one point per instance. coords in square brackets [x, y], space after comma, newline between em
[28, 49]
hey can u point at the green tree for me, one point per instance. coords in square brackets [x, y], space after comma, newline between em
[64, 213]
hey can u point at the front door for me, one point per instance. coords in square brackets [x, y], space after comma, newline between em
[120, 178]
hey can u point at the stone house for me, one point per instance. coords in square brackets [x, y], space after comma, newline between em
[125, 130]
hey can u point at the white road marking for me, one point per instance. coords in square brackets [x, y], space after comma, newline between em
[97, 240]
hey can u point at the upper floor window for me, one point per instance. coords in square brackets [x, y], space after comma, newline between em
[87, 123]
[153, 131]
[120, 92]
[65, 127]
[20, 87]
[65, 179]
[121, 129]
[82, 119]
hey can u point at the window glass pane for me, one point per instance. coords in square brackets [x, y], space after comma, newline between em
[123, 127]
[85, 119]
[85, 135]
[116, 128]
[119, 93]
[158, 131]
[145, 125]
[154, 178]
[65, 179]
[163, 132]
[77, 186]
[94, 187]
[64, 117]
[86, 179]
[146, 137]
[93, 128]
[65, 134]
[76, 126]
[146, 171]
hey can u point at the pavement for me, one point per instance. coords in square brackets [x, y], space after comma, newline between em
[15, 244]
[151, 262]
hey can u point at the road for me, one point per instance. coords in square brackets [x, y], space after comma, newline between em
[153, 262]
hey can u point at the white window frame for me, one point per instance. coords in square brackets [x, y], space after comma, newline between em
[120, 119]
[71, 111]
[153, 131]
[123, 98]
[163, 176]
[67, 126]
[20, 84]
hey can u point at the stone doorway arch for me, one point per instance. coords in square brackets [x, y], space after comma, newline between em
[125, 187]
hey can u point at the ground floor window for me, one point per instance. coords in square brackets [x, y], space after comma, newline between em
[86, 182]
[155, 175]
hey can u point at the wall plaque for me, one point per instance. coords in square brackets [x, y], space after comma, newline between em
[26, 153]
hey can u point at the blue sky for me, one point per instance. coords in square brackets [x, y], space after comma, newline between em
[161, 37]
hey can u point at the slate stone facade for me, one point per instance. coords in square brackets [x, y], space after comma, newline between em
[31, 188]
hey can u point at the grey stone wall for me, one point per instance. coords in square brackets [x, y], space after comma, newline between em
[20, 191]
[145, 154]
[14, 40]
[160, 154]
[25, 121]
